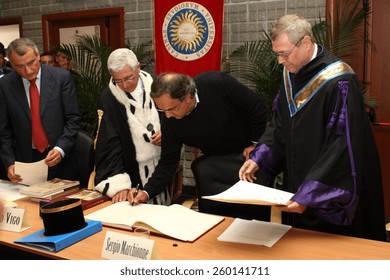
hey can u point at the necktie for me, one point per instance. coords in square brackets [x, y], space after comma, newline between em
[38, 133]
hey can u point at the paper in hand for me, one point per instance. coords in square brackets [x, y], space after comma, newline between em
[31, 173]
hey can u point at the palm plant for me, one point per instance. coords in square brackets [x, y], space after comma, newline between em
[255, 65]
[89, 57]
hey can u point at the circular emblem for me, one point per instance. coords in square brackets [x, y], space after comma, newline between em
[188, 31]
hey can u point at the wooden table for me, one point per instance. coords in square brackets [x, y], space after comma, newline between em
[296, 244]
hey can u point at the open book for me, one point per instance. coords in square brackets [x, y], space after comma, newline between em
[251, 193]
[175, 221]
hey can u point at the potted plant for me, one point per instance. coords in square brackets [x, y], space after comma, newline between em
[255, 65]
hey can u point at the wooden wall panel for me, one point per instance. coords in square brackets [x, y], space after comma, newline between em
[382, 138]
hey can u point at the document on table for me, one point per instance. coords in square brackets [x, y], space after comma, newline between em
[32, 173]
[10, 191]
[254, 232]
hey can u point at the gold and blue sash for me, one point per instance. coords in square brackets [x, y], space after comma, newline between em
[297, 102]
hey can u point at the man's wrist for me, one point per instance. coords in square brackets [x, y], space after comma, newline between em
[146, 194]
[60, 150]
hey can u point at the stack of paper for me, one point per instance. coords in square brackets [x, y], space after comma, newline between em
[50, 187]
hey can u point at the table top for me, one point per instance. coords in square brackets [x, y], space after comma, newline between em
[296, 244]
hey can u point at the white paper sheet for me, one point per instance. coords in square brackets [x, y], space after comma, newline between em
[254, 232]
[32, 173]
[10, 191]
[251, 193]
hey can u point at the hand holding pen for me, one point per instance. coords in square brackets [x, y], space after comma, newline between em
[135, 194]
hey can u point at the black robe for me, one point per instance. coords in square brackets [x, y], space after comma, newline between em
[125, 156]
[319, 142]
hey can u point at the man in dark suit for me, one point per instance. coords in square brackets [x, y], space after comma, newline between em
[3, 62]
[58, 110]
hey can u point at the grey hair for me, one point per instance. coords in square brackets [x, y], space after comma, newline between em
[175, 84]
[295, 26]
[20, 46]
[120, 58]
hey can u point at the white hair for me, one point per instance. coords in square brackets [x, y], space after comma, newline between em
[120, 58]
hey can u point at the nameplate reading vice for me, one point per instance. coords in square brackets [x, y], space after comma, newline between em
[119, 246]
[14, 219]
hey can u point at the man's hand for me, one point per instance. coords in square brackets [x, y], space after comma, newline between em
[293, 207]
[140, 198]
[53, 158]
[156, 138]
[11, 174]
[248, 170]
[120, 196]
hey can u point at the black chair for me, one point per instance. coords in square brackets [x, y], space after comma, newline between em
[3, 172]
[215, 174]
[84, 148]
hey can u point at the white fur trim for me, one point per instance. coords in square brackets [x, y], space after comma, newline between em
[117, 183]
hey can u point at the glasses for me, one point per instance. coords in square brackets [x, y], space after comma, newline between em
[173, 110]
[285, 55]
[125, 79]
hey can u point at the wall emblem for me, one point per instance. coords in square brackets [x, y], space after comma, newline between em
[188, 31]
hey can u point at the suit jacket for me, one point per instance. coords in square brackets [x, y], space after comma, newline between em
[59, 113]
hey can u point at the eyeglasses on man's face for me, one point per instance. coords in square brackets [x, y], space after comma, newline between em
[285, 55]
[173, 110]
[125, 79]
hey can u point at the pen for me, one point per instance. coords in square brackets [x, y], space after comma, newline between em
[136, 192]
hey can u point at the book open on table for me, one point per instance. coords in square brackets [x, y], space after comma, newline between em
[175, 221]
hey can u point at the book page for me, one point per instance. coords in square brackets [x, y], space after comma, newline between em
[175, 221]
[181, 222]
[122, 213]
[251, 193]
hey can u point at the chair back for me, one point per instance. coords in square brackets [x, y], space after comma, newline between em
[85, 151]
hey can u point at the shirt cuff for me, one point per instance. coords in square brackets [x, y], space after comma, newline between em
[146, 194]
[60, 150]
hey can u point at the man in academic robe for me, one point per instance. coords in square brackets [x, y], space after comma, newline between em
[129, 136]
[320, 138]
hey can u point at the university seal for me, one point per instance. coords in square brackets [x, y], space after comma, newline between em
[188, 31]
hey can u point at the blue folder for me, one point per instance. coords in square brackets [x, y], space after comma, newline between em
[56, 243]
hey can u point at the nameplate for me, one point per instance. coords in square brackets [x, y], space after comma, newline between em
[14, 219]
[119, 246]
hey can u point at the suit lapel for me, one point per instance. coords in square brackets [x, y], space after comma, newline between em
[20, 93]
[47, 84]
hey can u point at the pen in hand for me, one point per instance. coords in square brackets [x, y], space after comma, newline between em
[135, 193]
